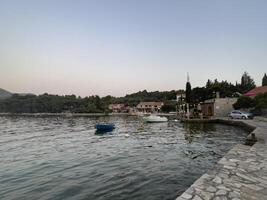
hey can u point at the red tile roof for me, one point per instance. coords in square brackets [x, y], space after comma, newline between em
[256, 91]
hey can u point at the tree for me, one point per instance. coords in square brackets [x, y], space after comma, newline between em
[247, 83]
[261, 101]
[264, 80]
[168, 108]
[188, 93]
[209, 83]
[199, 94]
[244, 102]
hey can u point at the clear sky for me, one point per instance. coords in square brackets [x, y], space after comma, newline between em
[122, 46]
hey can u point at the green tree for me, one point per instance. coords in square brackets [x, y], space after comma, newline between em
[264, 80]
[261, 101]
[209, 83]
[244, 102]
[247, 83]
[188, 93]
[199, 94]
[168, 107]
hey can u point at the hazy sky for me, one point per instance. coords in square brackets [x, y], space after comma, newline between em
[122, 46]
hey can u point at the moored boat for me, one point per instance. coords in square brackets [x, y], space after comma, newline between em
[104, 127]
[155, 118]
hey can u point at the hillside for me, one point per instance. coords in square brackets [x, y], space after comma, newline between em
[4, 94]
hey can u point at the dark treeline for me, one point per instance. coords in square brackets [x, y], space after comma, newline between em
[53, 104]
[135, 98]
[47, 103]
[256, 104]
[224, 88]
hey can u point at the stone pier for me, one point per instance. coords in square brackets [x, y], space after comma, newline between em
[240, 174]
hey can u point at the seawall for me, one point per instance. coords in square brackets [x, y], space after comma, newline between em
[241, 173]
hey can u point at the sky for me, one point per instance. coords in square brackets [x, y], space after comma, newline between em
[117, 47]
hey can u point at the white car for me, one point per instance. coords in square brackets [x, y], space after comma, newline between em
[237, 114]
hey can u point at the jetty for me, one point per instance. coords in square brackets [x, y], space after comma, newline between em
[241, 173]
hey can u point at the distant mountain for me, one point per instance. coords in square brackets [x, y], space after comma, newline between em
[4, 94]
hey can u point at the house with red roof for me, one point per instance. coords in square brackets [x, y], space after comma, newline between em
[258, 90]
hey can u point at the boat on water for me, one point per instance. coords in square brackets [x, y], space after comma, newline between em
[104, 127]
[155, 118]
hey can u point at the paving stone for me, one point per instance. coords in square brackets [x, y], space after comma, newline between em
[211, 189]
[206, 195]
[234, 160]
[234, 194]
[221, 198]
[217, 179]
[253, 187]
[186, 196]
[240, 174]
[221, 192]
[246, 177]
[228, 167]
[196, 197]
[222, 187]
[238, 185]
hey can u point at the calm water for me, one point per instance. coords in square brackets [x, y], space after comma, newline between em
[63, 158]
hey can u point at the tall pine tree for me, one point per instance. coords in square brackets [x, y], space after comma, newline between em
[247, 83]
[188, 91]
[264, 80]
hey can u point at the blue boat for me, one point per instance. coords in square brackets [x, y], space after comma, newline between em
[104, 127]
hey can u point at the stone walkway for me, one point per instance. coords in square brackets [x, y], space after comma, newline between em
[240, 174]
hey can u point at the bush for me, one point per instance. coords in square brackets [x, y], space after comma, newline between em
[244, 102]
[261, 101]
[168, 108]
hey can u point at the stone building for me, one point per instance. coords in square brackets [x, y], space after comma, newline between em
[218, 107]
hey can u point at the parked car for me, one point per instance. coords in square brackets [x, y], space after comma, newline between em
[237, 114]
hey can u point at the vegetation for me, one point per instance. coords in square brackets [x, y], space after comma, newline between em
[244, 102]
[188, 95]
[261, 101]
[135, 98]
[264, 80]
[53, 104]
[169, 107]
[256, 104]
[247, 83]
[46, 103]
[225, 89]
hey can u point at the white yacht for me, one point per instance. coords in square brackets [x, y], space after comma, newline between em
[155, 118]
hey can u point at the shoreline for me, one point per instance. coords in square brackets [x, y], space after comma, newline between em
[76, 114]
[241, 173]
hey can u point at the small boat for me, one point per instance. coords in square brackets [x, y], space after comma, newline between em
[155, 118]
[104, 127]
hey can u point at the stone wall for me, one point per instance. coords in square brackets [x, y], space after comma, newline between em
[240, 174]
[223, 106]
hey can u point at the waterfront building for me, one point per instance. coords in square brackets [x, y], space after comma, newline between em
[148, 107]
[218, 107]
[118, 107]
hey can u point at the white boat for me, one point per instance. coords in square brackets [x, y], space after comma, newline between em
[155, 118]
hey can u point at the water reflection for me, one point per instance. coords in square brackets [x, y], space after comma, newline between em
[193, 129]
[102, 132]
[64, 158]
